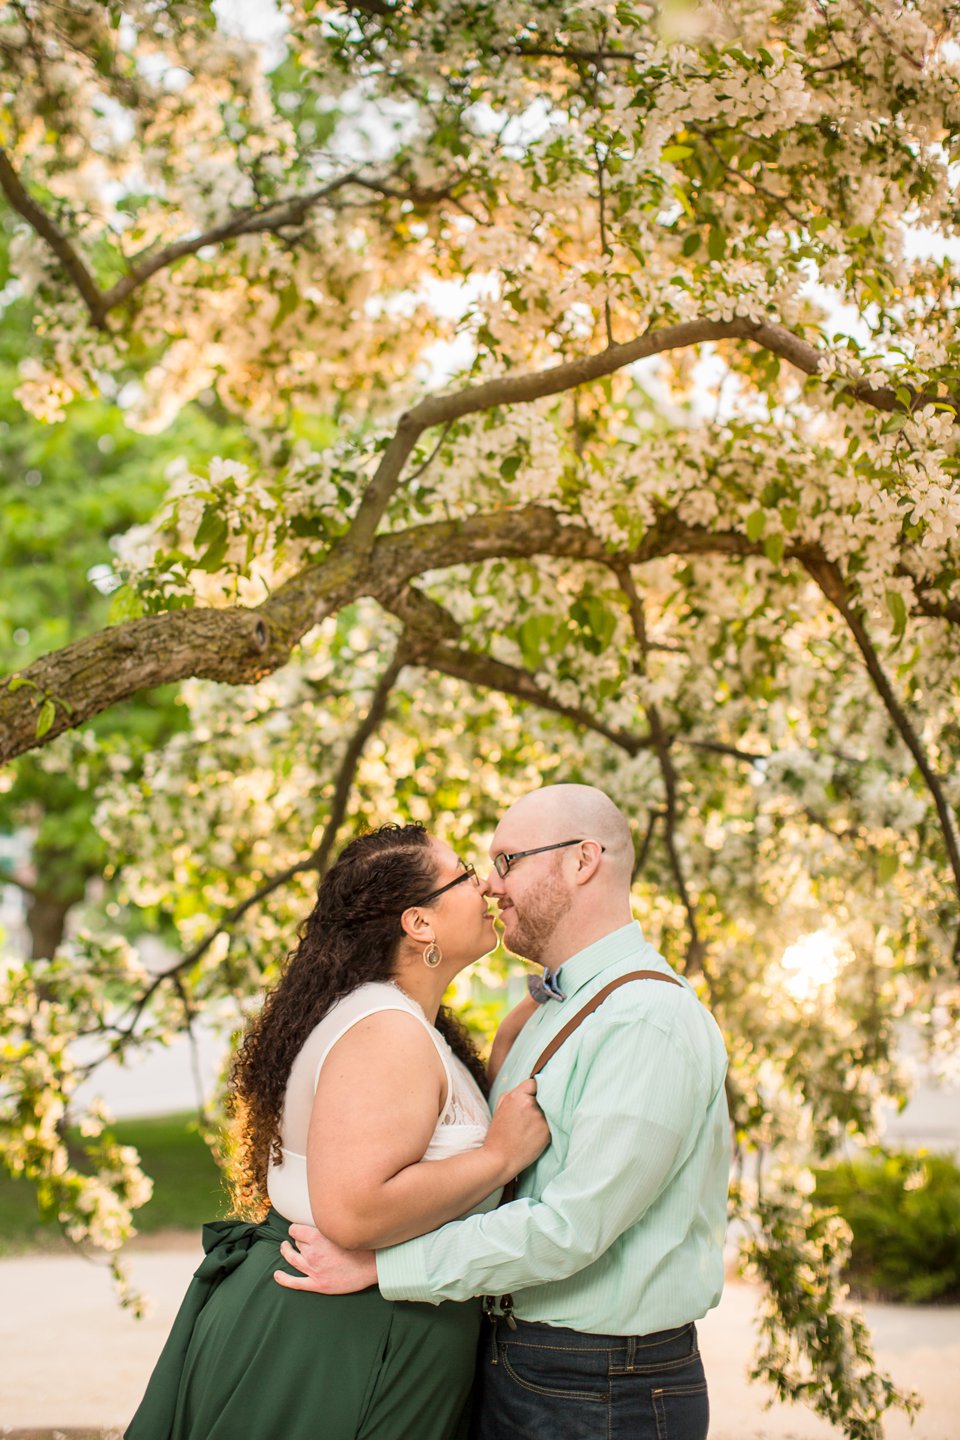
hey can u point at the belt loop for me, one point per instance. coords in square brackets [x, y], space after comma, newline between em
[631, 1352]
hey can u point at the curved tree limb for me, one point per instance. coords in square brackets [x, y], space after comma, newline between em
[317, 860]
[539, 384]
[830, 581]
[48, 230]
[239, 646]
[292, 210]
[696, 949]
[436, 637]
[283, 214]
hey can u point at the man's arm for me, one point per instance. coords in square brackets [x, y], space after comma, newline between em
[641, 1107]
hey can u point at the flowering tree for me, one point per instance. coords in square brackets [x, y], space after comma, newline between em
[632, 333]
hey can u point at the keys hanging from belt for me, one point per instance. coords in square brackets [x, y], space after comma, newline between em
[493, 1315]
[505, 1312]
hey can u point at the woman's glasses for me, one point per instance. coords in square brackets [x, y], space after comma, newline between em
[469, 873]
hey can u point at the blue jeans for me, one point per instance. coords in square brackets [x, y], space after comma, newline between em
[539, 1382]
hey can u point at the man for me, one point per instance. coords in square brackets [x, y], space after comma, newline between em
[613, 1246]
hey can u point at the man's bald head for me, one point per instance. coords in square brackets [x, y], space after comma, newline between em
[568, 812]
[567, 883]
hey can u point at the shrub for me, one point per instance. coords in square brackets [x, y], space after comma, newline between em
[904, 1211]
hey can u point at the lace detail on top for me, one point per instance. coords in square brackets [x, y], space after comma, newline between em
[462, 1124]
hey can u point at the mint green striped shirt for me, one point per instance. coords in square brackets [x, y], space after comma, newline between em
[618, 1228]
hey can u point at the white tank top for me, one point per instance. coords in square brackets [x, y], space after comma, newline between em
[463, 1120]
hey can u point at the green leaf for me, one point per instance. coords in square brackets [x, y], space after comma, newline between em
[289, 300]
[887, 867]
[125, 604]
[597, 619]
[756, 524]
[17, 682]
[716, 243]
[532, 635]
[676, 152]
[510, 466]
[46, 717]
[773, 548]
[682, 196]
[898, 611]
[212, 557]
[788, 514]
[692, 242]
[211, 527]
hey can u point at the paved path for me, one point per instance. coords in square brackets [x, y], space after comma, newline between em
[70, 1358]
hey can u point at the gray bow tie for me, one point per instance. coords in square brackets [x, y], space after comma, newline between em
[544, 987]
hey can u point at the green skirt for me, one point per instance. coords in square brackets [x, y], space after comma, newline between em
[248, 1360]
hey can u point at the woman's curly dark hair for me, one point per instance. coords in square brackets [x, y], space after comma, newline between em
[351, 936]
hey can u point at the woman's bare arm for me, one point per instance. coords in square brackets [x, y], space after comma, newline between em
[380, 1093]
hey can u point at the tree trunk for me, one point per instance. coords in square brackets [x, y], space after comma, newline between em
[46, 921]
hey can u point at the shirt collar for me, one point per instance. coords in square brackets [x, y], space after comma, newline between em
[610, 950]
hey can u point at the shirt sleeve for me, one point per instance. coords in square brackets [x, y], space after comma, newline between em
[639, 1106]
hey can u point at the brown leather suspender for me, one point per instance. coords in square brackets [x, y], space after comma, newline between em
[589, 1008]
[571, 1025]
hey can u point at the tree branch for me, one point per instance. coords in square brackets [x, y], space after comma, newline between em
[830, 581]
[575, 55]
[239, 646]
[939, 609]
[440, 409]
[255, 219]
[271, 219]
[696, 949]
[434, 639]
[538, 384]
[7, 879]
[317, 860]
[641, 860]
[38, 219]
[519, 389]
[252, 220]
[781, 201]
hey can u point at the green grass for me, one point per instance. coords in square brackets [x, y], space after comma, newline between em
[187, 1187]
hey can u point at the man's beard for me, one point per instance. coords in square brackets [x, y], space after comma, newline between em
[543, 911]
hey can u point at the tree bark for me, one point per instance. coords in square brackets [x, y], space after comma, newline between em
[47, 923]
[239, 646]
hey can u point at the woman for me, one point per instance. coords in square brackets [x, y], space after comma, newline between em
[362, 1110]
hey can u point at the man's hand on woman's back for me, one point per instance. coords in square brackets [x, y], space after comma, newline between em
[325, 1269]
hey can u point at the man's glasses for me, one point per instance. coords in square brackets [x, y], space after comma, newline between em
[503, 862]
[469, 873]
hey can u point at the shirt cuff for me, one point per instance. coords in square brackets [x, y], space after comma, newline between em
[402, 1273]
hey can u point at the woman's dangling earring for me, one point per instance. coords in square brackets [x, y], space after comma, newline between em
[432, 955]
